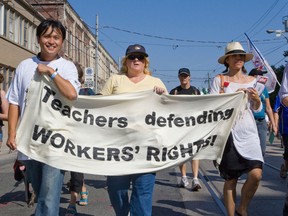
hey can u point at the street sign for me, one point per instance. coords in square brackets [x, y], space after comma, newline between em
[89, 77]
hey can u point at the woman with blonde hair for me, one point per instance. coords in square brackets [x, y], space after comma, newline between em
[134, 76]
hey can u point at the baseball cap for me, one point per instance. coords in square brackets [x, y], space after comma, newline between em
[256, 72]
[184, 71]
[136, 48]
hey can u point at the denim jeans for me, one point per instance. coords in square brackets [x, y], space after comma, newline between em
[262, 132]
[47, 183]
[141, 196]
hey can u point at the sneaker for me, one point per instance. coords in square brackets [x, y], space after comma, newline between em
[283, 171]
[184, 181]
[196, 184]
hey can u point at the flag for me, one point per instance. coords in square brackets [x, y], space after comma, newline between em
[260, 62]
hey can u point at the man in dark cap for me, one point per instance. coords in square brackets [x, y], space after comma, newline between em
[186, 88]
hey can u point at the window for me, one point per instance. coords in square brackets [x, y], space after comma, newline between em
[30, 41]
[25, 34]
[5, 22]
[17, 27]
[70, 44]
[11, 25]
[76, 49]
[1, 19]
[21, 31]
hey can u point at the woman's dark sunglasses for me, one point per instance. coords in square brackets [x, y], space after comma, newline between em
[133, 57]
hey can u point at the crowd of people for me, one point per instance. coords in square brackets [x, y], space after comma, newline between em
[244, 149]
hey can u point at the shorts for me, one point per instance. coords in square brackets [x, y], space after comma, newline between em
[233, 165]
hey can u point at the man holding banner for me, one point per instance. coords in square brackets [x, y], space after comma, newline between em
[46, 180]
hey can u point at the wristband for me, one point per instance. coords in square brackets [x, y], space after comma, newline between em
[54, 75]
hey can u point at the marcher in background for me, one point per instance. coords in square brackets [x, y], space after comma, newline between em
[186, 88]
[283, 91]
[242, 153]
[259, 117]
[76, 184]
[47, 181]
[135, 76]
[281, 120]
[283, 95]
[3, 109]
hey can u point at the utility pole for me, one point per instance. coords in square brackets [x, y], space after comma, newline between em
[96, 56]
[209, 81]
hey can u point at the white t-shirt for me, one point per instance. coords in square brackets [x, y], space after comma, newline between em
[24, 73]
[244, 131]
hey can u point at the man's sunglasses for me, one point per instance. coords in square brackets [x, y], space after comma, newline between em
[133, 57]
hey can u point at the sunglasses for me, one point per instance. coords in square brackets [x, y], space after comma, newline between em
[133, 57]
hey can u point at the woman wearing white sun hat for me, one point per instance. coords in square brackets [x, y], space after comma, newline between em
[242, 153]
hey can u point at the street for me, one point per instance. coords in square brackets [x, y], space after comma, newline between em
[168, 198]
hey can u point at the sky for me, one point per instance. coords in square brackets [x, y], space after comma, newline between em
[187, 33]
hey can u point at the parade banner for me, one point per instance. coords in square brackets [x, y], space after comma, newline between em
[127, 133]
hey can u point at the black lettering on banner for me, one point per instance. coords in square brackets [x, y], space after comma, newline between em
[45, 135]
[161, 121]
[185, 150]
[81, 151]
[122, 122]
[60, 138]
[164, 153]
[86, 116]
[69, 147]
[228, 113]
[111, 119]
[152, 152]
[97, 153]
[74, 113]
[113, 153]
[179, 122]
[150, 119]
[48, 94]
[101, 121]
[188, 150]
[198, 144]
[173, 154]
[127, 155]
[66, 111]
[202, 118]
[188, 121]
[56, 104]
[209, 141]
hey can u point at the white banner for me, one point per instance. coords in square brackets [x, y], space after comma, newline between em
[124, 134]
[260, 62]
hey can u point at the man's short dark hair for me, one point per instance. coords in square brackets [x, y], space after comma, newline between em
[54, 24]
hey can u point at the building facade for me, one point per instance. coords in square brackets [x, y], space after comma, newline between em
[18, 23]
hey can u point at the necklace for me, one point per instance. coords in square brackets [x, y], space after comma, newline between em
[241, 79]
